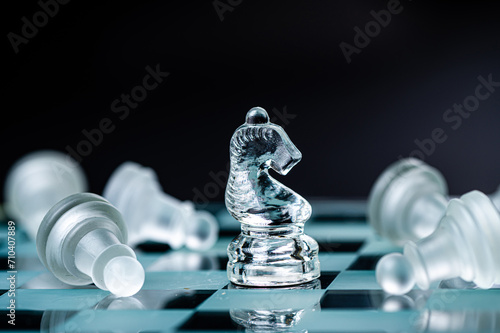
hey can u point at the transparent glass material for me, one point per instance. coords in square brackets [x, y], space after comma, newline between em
[272, 249]
[185, 261]
[53, 321]
[464, 245]
[495, 198]
[152, 215]
[114, 302]
[407, 201]
[273, 310]
[82, 240]
[459, 320]
[395, 274]
[37, 182]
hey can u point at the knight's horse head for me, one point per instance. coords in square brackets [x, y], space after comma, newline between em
[264, 144]
[252, 195]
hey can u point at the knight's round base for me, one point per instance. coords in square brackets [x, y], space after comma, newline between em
[272, 262]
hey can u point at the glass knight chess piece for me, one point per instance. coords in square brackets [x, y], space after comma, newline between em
[272, 249]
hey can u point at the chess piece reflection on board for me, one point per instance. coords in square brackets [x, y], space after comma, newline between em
[272, 249]
[278, 309]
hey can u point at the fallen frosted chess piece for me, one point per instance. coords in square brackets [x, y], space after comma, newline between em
[408, 200]
[82, 240]
[152, 215]
[38, 181]
[465, 245]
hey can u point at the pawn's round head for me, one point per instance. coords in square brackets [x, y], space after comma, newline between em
[123, 276]
[395, 274]
[257, 115]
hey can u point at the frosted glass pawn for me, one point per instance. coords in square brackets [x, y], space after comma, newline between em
[152, 215]
[82, 239]
[407, 201]
[38, 181]
[464, 245]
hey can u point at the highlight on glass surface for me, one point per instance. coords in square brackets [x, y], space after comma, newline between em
[82, 240]
[37, 182]
[272, 249]
[465, 245]
[152, 215]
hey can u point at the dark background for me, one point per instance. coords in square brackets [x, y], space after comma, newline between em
[352, 120]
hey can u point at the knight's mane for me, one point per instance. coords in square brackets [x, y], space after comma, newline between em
[248, 134]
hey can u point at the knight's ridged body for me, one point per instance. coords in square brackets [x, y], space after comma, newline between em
[272, 249]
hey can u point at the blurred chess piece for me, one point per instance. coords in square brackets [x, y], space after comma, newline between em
[273, 310]
[82, 240]
[495, 197]
[37, 182]
[465, 245]
[272, 249]
[152, 215]
[408, 200]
